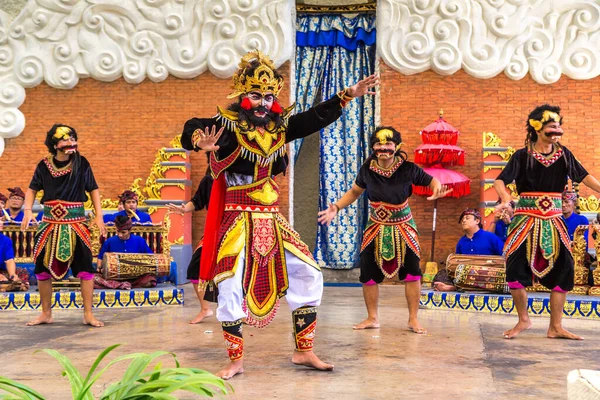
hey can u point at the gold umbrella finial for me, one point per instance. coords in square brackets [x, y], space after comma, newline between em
[441, 112]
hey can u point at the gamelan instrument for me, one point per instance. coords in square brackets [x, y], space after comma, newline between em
[124, 266]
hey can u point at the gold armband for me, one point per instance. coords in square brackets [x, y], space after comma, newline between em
[344, 97]
[196, 136]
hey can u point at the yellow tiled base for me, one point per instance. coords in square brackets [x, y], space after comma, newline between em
[103, 298]
[587, 307]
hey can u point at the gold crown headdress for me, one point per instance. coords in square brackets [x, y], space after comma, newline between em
[547, 116]
[263, 80]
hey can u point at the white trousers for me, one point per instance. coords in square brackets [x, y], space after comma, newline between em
[305, 288]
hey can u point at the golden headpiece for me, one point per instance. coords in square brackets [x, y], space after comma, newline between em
[547, 116]
[263, 79]
[384, 135]
[62, 133]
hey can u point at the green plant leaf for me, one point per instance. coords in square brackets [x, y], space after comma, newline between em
[187, 379]
[21, 391]
[71, 372]
[87, 384]
[157, 395]
[110, 364]
[99, 359]
[137, 366]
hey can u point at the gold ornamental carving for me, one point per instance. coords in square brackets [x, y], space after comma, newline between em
[490, 139]
[176, 143]
[590, 204]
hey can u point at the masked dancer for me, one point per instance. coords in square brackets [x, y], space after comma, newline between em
[538, 247]
[390, 244]
[62, 240]
[249, 250]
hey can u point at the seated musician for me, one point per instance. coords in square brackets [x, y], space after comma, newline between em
[8, 267]
[110, 218]
[129, 200]
[124, 241]
[571, 218]
[14, 214]
[499, 225]
[475, 241]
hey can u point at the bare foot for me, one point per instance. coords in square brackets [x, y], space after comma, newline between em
[201, 315]
[310, 359]
[416, 327]
[234, 368]
[369, 323]
[442, 287]
[92, 321]
[520, 326]
[42, 319]
[562, 333]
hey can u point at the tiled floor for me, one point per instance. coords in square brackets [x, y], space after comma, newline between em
[462, 357]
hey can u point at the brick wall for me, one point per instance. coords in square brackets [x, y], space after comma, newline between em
[120, 128]
[473, 106]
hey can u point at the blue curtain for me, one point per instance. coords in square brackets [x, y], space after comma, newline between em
[334, 52]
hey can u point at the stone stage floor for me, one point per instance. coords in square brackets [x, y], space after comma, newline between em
[462, 357]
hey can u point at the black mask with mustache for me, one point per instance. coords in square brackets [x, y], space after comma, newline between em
[67, 147]
[390, 152]
[550, 134]
[249, 117]
[258, 121]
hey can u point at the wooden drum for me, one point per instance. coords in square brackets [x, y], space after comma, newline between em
[478, 272]
[124, 266]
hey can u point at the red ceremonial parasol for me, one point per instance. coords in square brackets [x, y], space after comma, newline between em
[447, 154]
[458, 182]
[440, 132]
[438, 150]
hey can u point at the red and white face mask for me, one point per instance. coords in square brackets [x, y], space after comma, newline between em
[384, 151]
[67, 146]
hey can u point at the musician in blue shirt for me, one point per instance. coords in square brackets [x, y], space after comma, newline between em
[14, 213]
[571, 218]
[125, 241]
[130, 203]
[476, 241]
[501, 221]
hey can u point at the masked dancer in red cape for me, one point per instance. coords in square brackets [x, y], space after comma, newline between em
[390, 244]
[62, 240]
[538, 247]
[250, 251]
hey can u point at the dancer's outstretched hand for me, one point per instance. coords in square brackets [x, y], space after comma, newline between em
[207, 140]
[439, 192]
[175, 209]
[363, 86]
[326, 216]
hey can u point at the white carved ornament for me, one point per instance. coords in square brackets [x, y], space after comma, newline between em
[62, 41]
[486, 37]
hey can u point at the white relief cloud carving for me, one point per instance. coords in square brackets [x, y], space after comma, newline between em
[486, 37]
[62, 41]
